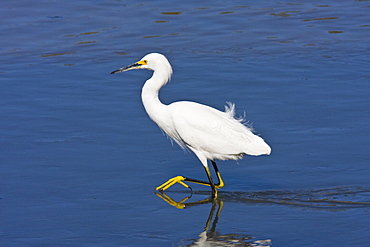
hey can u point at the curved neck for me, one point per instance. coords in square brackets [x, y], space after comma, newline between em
[149, 95]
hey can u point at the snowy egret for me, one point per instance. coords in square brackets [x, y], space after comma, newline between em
[211, 134]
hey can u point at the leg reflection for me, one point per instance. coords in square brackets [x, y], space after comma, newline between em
[182, 203]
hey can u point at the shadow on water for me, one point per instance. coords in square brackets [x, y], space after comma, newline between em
[338, 198]
[333, 199]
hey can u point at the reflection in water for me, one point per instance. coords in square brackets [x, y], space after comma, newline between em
[210, 237]
[338, 198]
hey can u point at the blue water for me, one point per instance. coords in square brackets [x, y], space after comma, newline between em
[80, 159]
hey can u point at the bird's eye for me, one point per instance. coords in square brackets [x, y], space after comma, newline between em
[143, 62]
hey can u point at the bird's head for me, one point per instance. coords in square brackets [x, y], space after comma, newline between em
[152, 61]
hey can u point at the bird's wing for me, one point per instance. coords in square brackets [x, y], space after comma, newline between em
[210, 130]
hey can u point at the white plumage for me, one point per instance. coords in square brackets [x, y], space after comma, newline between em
[211, 134]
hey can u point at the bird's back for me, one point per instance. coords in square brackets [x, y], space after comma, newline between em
[216, 134]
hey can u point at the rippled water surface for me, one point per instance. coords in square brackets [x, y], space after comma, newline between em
[80, 158]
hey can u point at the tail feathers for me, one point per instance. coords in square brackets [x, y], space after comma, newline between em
[258, 147]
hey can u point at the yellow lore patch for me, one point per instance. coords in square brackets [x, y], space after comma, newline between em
[142, 62]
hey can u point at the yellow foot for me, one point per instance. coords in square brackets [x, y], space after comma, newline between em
[215, 194]
[172, 181]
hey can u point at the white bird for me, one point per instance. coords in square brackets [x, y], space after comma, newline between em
[211, 134]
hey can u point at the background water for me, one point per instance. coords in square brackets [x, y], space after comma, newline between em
[80, 158]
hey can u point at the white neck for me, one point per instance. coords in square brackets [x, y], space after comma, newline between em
[149, 95]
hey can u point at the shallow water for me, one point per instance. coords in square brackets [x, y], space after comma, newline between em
[80, 158]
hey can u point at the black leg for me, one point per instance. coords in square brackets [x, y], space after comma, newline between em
[211, 183]
[220, 183]
[180, 179]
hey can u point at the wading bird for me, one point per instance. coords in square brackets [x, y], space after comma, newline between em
[211, 134]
